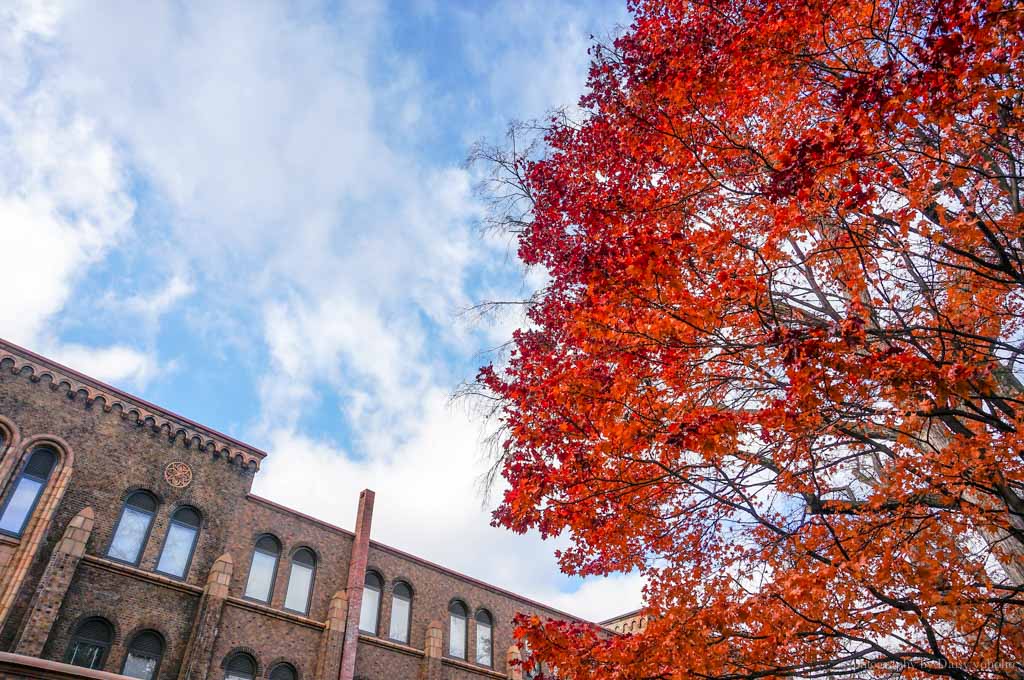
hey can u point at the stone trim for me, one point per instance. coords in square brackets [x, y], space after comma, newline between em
[14, 564]
[11, 444]
[53, 585]
[21, 361]
[141, 574]
[195, 663]
[285, 615]
[401, 554]
[513, 660]
[392, 645]
[328, 658]
[20, 666]
[471, 667]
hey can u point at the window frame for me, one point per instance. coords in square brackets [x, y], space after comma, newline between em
[465, 630]
[159, 659]
[273, 574]
[149, 527]
[12, 487]
[312, 582]
[192, 548]
[380, 600]
[408, 622]
[279, 664]
[77, 637]
[226, 664]
[476, 637]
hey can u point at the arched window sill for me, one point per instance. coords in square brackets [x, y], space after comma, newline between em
[472, 667]
[390, 644]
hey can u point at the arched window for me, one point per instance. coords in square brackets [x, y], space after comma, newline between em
[241, 666]
[144, 653]
[484, 637]
[300, 581]
[179, 543]
[263, 569]
[25, 492]
[90, 643]
[283, 671]
[457, 621]
[132, 528]
[401, 611]
[370, 608]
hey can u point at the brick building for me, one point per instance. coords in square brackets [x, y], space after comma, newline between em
[630, 622]
[130, 543]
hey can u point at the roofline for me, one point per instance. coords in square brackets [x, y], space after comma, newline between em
[425, 562]
[622, 616]
[29, 354]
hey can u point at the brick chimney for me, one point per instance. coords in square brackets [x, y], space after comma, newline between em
[356, 579]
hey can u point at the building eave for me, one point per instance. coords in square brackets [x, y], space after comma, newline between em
[132, 406]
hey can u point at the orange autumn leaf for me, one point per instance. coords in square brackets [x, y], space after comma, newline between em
[775, 365]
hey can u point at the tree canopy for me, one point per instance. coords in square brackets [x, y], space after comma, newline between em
[775, 366]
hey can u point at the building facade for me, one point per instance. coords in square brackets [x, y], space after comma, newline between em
[130, 543]
[631, 622]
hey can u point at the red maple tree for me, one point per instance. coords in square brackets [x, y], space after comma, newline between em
[775, 367]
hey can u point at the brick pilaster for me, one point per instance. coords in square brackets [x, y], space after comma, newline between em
[430, 667]
[196, 664]
[53, 584]
[15, 560]
[515, 671]
[356, 579]
[328, 659]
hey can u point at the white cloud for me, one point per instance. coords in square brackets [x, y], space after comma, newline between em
[599, 599]
[533, 53]
[114, 364]
[289, 188]
[428, 503]
[177, 288]
[63, 200]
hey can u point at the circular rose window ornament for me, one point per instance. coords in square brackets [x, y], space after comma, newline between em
[178, 474]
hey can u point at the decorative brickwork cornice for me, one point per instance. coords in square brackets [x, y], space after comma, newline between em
[36, 368]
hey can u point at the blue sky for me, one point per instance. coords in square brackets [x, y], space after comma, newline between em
[258, 215]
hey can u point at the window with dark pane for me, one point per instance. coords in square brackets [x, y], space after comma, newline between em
[300, 580]
[458, 618]
[484, 637]
[370, 607]
[240, 667]
[26, 490]
[179, 543]
[401, 609]
[144, 654]
[283, 671]
[263, 569]
[90, 643]
[133, 527]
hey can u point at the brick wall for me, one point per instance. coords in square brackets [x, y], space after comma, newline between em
[126, 447]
